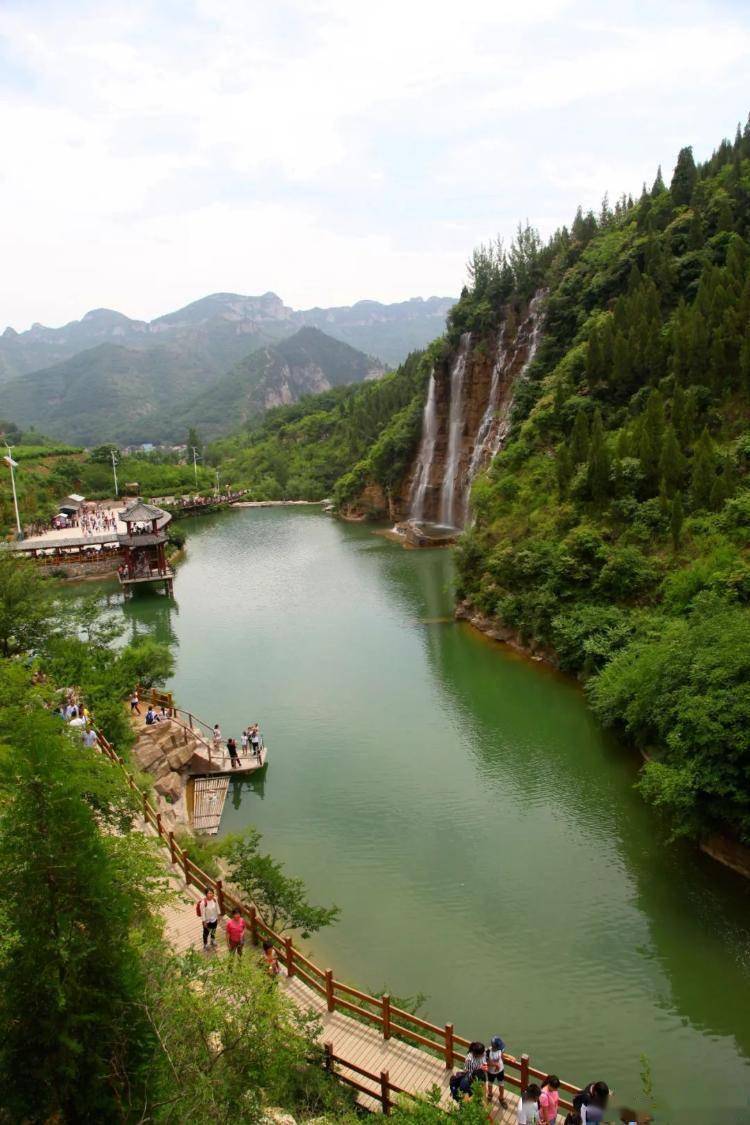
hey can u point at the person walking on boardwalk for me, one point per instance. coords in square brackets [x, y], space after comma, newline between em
[244, 741]
[134, 707]
[495, 1062]
[549, 1100]
[271, 958]
[217, 736]
[236, 932]
[208, 908]
[233, 757]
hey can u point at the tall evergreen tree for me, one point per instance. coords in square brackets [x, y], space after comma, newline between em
[579, 440]
[652, 432]
[598, 461]
[703, 472]
[671, 463]
[684, 177]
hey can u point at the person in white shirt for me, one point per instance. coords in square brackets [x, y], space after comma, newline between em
[528, 1105]
[209, 912]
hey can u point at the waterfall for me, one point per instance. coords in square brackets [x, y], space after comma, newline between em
[426, 454]
[485, 426]
[455, 429]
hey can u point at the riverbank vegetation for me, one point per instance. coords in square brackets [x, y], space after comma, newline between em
[613, 529]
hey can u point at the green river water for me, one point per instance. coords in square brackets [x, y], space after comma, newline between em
[460, 804]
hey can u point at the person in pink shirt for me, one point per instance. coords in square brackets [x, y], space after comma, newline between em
[236, 932]
[549, 1100]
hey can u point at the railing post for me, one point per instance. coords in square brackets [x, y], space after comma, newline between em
[289, 952]
[186, 868]
[386, 1001]
[159, 828]
[524, 1072]
[449, 1046]
[328, 1048]
[190, 719]
[253, 925]
[385, 1092]
[220, 894]
[145, 808]
[171, 848]
[330, 998]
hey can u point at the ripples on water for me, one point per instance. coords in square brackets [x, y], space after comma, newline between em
[462, 807]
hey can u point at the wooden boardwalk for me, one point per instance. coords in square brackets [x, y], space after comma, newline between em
[413, 1070]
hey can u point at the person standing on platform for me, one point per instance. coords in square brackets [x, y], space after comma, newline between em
[236, 932]
[244, 740]
[255, 739]
[232, 748]
[208, 908]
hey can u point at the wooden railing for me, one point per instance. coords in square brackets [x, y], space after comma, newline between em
[441, 1042]
[201, 731]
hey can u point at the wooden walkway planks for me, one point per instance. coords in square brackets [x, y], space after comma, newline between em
[209, 795]
[407, 1066]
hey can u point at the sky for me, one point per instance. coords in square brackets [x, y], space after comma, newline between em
[329, 150]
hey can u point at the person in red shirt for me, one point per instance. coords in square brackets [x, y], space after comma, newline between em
[236, 932]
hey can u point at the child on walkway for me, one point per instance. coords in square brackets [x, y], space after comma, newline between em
[528, 1105]
[236, 932]
[271, 958]
[496, 1069]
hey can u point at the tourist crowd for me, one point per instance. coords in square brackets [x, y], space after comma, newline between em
[77, 716]
[539, 1102]
[250, 740]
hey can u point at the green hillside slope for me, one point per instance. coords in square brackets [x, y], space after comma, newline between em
[305, 363]
[613, 529]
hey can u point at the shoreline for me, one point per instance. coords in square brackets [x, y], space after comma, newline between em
[719, 847]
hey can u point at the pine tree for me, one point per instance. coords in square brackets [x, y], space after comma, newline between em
[598, 461]
[563, 470]
[579, 440]
[595, 372]
[621, 365]
[658, 185]
[671, 463]
[676, 520]
[652, 432]
[684, 177]
[703, 472]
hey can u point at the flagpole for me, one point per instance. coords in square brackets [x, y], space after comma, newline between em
[12, 464]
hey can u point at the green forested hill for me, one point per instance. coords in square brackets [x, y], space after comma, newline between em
[613, 529]
[305, 363]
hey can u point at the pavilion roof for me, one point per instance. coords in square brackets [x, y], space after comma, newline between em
[141, 512]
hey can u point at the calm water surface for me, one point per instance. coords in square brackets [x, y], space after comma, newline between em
[462, 807]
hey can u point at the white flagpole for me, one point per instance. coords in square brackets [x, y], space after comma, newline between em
[12, 463]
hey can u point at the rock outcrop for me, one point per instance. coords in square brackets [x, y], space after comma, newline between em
[171, 754]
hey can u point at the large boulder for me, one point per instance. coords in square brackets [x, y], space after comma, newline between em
[180, 757]
[169, 786]
[147, 753]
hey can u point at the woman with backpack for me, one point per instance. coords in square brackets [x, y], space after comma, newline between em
[208, 911]
[495, 1064]
[549, 1100]
[473, 1071]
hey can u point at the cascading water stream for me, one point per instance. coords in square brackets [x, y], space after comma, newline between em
[455, 429]
[485, 426]
[426, 454]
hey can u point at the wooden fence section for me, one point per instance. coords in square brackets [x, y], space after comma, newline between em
[378, 1011]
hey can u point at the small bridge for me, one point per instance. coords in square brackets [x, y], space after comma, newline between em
[378, 1049]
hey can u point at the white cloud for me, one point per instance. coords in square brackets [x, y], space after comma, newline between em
[330, 150]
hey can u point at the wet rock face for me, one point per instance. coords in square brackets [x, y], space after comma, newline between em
[470, 418]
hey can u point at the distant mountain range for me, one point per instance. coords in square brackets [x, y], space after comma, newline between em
[108, 377]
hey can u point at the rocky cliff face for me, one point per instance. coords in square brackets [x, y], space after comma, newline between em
[467, 418]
